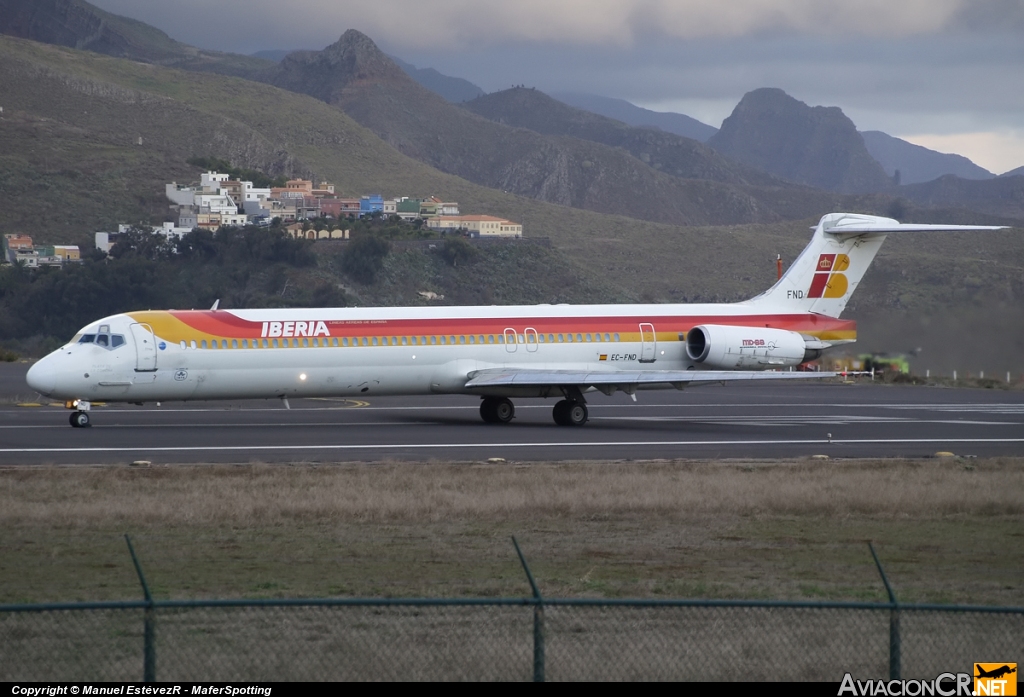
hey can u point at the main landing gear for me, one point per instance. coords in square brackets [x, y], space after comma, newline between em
[571, 411]
[497, 410]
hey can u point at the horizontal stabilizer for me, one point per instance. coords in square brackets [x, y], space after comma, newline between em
[855, 226]
[504, 377]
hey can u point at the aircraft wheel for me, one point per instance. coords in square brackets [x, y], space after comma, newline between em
[79, 419]
[487, 410]
[504, 411]
[560, 413]
[577, 414]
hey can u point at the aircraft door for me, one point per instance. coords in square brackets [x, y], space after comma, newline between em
[532, 341]
[511, 340]
[145, 348]
[648, 343]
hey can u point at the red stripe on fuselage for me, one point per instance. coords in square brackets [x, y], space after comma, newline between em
[225, 324]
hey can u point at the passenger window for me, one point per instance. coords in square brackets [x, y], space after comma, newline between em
[501, 338]
[344, 341]
[335, 341]
[579, 337]
[490, 338]
[569, 338]
[374, 341]
[266, 344]
[590, 337]
[462, 339]
[561, 338]
[616, 337]
[606, 338]
[192, 344]
[444, 340]
[305, 342]
[452, 339]
[405, 341]
[274, 343]
[365, 341]
[551, 338]
[183, 344]
[481, 338]
[433, 340]
[234, 343]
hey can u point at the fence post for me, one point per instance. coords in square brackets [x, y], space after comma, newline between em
[894, 620]
[538, 619]
[148, 622]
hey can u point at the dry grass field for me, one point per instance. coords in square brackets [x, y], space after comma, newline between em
[947, 530]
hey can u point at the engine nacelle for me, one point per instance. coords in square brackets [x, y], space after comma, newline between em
[751, 348]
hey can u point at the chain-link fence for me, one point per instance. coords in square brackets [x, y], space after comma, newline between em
[496, 639]
[533, 638]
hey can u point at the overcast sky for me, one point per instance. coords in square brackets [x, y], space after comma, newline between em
[946, 74]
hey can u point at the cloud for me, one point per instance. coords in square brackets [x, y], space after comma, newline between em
[476, 23]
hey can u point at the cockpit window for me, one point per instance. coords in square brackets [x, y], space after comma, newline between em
[107, 341]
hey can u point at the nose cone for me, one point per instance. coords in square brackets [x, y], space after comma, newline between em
[42, 377]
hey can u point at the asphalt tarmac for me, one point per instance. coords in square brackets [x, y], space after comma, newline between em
[756, 420]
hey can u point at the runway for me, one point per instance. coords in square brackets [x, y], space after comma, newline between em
[733, 421]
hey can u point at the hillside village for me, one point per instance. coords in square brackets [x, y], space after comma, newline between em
[306, 211]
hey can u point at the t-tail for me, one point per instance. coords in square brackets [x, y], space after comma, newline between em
[830, 268]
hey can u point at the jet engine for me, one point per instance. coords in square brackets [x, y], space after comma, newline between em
[724, 347]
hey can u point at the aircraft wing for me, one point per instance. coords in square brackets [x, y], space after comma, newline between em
[501, 377]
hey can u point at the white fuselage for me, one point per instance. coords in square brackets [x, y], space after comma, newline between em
[345, 352]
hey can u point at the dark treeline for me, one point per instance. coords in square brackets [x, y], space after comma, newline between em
[241, 267]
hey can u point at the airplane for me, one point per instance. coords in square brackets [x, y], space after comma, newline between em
[496, 353]
[995, 672]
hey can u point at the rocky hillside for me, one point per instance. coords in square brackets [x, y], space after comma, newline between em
[354, 75]
[665, 152]
[454, 89]
[78, 24]
[621, 110]
[816, 146]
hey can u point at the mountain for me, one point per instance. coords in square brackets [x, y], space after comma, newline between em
[621, 110]
[355, 76]
[1001, 196]
[78, 24]
[816, 146]
[1019, 172]
[274, 54]
[665, 152]
[917, 164]
[454, 89]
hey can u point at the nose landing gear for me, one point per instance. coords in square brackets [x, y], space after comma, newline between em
[80, 417]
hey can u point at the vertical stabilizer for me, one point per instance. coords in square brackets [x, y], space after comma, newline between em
[830, 268]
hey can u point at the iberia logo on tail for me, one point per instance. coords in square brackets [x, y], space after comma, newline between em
[829, 281]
